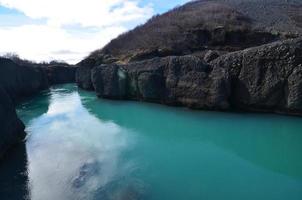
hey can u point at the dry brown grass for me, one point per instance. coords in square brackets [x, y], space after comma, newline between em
[168, 31]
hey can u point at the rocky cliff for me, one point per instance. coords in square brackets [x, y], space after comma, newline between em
[18, 81]
[264, 78]
[207, 54]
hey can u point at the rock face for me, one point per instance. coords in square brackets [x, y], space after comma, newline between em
[264, 78]
[83, 77]
[183, 80]
[109, 81]
[11, 129]
[59, 74]
[21, 81]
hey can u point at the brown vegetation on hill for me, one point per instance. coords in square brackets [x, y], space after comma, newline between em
[224, 25]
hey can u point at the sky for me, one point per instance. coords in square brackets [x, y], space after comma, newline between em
[44, 30]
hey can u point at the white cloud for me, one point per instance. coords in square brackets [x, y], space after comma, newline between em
[84, 12]
[108, 18]
[43, 42]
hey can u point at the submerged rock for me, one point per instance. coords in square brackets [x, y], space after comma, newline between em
[86, 171]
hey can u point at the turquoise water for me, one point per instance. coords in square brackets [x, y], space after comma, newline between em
[80, 147]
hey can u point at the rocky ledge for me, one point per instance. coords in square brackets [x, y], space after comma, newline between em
[18, 81]
[264, 78]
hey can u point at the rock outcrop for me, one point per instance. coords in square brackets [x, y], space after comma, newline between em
[206, 54]
[175, 80]
[83, 76]
[267, 77]
[20, 81]
[60, 74]
[264, 78]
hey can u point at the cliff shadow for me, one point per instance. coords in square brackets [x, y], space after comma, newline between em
[13, 174]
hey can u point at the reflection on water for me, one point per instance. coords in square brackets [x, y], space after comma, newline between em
[80, 147]
[74, 155]
[13, 174]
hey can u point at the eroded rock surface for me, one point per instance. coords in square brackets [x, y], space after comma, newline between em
[267, 77]
[263, 78]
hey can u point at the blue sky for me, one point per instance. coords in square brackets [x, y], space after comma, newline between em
[43, 30]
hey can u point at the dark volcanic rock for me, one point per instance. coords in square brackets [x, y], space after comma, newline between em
[294, 88]
[184, 80]
[146, 79]
[109, 81]
[83, 77]
[20, 81]
[264, 78]
[267, 77]
[59, 74]
[11, 128]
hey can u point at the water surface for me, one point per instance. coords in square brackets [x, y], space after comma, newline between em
[83, 148]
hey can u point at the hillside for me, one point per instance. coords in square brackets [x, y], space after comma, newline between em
[223, 25]
[208, 54]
